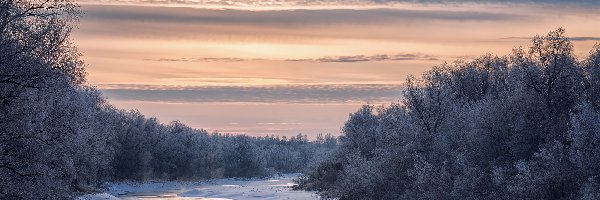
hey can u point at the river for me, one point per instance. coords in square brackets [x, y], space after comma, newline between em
[278, 187]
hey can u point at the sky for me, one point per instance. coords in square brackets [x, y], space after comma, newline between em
[297, 66]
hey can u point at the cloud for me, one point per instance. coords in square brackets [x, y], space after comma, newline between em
[353, 58]
[376, 93]
[178, 15]
[364, 58]
[570, 38]
[292, 3]
[299, 26]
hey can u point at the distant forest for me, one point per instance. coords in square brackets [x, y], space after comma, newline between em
[522, 126]
[60, 138]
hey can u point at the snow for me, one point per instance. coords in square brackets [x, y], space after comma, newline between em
[218, 189]
[99, 196]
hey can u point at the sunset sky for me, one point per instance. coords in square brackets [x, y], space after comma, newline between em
[297, 66]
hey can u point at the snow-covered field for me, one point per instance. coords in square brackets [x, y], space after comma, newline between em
[278, 187]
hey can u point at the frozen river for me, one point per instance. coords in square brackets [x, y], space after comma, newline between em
[278, 187]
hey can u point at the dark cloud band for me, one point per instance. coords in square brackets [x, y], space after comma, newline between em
[280, 17]
[364, 58]
[282, 3]
[354, 58]
[289, 94]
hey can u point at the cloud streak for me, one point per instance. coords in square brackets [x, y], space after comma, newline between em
[570, 38]
[378, 93]
[364, 58]
[296, 3]
[301, 17]
[353, 58]
[301, 26]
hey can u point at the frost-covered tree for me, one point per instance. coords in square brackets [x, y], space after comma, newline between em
[522, 126]
[592, 68]
[360, 132]
[44, 106]
[59, 137]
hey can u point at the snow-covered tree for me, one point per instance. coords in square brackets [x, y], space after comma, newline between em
[523, 126]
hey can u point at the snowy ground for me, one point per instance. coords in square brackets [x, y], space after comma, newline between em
[219, 189]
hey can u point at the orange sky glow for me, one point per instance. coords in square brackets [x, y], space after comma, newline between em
[179, 45]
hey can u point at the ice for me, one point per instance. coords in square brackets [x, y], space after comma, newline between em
[218, 189]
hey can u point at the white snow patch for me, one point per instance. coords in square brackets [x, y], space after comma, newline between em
[286, 185]
[99, 196]
[231, 186]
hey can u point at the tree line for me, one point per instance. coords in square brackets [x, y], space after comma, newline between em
[522, 126]
[59, 137]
